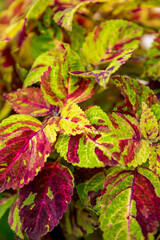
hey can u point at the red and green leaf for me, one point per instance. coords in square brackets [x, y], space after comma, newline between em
[104, 44]
[102, 76]
[129, 204]
[148, 123]
[72, 121]
[134, 93]
[14, 221]
[133, 150]
[91, 150]
[43, 201]
[64, 17]
[24, 148]
[59, 87]
[29, 101]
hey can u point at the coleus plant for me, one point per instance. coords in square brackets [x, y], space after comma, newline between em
[81, 147]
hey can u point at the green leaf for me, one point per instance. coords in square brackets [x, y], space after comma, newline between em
[37, 9]
[152, 65]
[14, 221]
[90, 190]
[148, 123]
[83, 221]
[6, 201]
[109, 40]
[77, 37]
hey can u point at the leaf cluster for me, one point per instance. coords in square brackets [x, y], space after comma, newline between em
[80, 118]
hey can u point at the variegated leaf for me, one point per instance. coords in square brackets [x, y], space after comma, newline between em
[148, 123]
[133, 150]
[135, 93]
[90, 190]
[105, 45]
[129, 204]
[29, 101]
[79, 221]
[102, 76]
[72, 121]
[43, 201]
[24, 148]
[91, 151]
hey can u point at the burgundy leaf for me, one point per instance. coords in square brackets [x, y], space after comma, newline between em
[44, 200]
[29, 101]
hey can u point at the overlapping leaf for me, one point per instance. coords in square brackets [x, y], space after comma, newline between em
[129, 204]
[29, 101]
[78, 220]
[72, 121]
[102, 76]
[153, 62]
[62, 56]
[148, 123]
[104, 44]
[43, 201]
[91, 150]
[14, 221]
[134, 150]
[24, 148]
[135, 93]
[58, 86]
[6, 201]
[64, 18]
[90, 190]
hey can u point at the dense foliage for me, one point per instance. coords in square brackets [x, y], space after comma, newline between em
[80, 118]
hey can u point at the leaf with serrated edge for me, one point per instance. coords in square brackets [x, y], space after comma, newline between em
[133, 150]
[24, 148]
[154, 159]
[29, 101]
[43, 201]
[126, 206]
[72, 121]
[104, 45]
[91, 151]
[148, 123]
[102, 76]
[64, 18]
[135, 93]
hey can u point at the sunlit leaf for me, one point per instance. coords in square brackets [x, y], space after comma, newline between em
[29, 101]
[135, 93]
[24, 148]
[148, 123]
[129, 205]
[109, 40]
